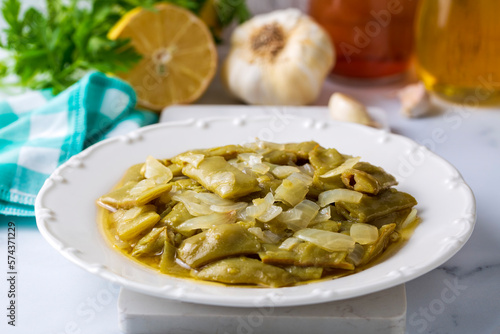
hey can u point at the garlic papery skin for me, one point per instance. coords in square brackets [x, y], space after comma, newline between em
[415, 100]
[345, 108]
[278, 58]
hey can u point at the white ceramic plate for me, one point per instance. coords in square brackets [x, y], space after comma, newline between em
[66, 210]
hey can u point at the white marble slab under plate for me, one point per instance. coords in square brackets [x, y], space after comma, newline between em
[376, 313]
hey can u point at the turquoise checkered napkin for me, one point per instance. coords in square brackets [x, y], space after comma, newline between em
[38, 132]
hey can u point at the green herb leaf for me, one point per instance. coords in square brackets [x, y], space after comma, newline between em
[228, 10]
[55, 49]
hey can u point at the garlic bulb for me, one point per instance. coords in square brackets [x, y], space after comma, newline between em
[345, 108]
[279, 58]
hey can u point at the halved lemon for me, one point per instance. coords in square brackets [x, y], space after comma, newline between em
[179, 55]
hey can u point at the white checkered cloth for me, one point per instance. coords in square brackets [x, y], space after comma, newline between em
[38, 132]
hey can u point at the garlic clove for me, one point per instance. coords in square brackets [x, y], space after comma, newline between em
[345, 108]
[415, 100]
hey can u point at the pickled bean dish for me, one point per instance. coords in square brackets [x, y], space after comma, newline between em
[261, 214]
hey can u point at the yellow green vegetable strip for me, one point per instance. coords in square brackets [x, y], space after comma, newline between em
[133, 174]
[367, 178]
[324, 160]
[373, 207]
[217, 242]
[372, 250]
[305, 254]
[151, 244]
[396, 217]
[301, 150]
[291, 191]
[134, 194]
[218, 176]
[177, 216]
[245, 271]
[360, 181]
[167, 262]
[342, 212]
[305, 273]
[384, 179]
[280, 158]
[131, 228]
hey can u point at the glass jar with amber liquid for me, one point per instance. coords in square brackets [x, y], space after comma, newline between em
[458, 49]
[372, 38]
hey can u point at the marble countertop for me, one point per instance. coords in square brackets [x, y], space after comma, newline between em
[460, 297]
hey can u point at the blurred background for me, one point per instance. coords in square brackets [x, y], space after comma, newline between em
[377, 41]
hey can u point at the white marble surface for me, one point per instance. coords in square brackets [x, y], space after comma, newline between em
[460, 297]
[139, 313]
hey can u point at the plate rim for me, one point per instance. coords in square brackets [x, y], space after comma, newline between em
[272, 297]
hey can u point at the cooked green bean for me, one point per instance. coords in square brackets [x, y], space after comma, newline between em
[262, 214]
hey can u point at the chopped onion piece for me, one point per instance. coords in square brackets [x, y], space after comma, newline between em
[308, 208]
[193, 204]
[260, 168]
[274, 238]
[182, 196]
[197, 209]
[323, 215]
[142, 186]
[269, 198]
[261, 144]
[262, 179]
[254, 161]
[248, 171]
[410, 218]
[242, 215]
[157, 171]
[301, 215]
[213, 199]
[207, 221]
[106, 206]
[272, 212]
[258, 233]
[174, 192]
[330, 241]
[335, 195]
[228, 208]
[241, 166]
[223, 180]
[282, 172]
[348, 164]
[307, 169]
[130, 213]
[191, 158]
[291, 191]
[290, 215]
[183, 264]
[260, 206]
[302, 177]
[250, 159]
[356, 255]
[364, 234]
[255, 210]
[265, 236]
[290, 243]
[233, 162]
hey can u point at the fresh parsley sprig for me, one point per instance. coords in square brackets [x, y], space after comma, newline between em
[56, 48]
